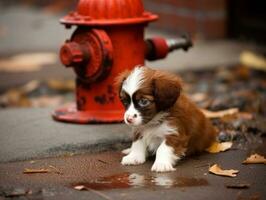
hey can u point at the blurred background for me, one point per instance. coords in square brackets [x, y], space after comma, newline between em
[226, 33]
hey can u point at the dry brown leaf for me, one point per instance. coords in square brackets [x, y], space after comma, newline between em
[61, 85]
[35, 171]
[198, 97]
[80, 187]
[46, 101]
[217, 147]
[30, 86]
[219, 114]
[253, 60]
[255, 159]
[245, 115]
[27, 62]
[215, 169]
[15, 97]
[240, 115]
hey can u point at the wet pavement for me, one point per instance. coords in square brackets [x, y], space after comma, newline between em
[103, 177]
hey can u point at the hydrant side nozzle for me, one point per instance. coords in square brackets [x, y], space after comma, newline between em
[156, 48]
[72, 54]
[183, 42]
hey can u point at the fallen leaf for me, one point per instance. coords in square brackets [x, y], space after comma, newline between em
[80, 187]
[253, 60]
[217, 147]
[198, 97]
[245, 115]
[30, 86]
[255, 159]
[239, 115]
[27, 62]
[215, 169]
[17, 192]
[238, 186]
[46, 101]
[219, 114]
[61, 85]
[35, 171]
[14, 97]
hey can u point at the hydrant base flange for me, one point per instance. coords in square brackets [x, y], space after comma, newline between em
[72, 115]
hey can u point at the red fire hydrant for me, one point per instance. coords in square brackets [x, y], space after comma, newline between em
[109, 39]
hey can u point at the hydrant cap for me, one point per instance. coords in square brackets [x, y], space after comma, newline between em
[108, 12]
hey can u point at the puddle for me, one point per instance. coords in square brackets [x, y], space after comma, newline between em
[127, 180]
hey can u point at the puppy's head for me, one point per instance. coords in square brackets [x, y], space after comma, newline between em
[144, 92]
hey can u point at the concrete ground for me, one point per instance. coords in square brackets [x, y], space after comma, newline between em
[106, 178]
[32, 133]
[29, 138]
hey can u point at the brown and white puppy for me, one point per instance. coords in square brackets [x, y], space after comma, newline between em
[164, 120]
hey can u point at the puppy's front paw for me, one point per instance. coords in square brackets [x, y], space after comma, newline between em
[162, 167]
[126, 151]
[132, 159]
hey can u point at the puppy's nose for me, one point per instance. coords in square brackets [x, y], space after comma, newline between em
[129, 119]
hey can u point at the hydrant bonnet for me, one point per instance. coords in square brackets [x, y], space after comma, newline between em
[93, 13]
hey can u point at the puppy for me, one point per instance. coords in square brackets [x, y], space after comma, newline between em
[164, 121]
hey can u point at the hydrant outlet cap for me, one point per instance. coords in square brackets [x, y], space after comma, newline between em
[108, 12]
[71, 54]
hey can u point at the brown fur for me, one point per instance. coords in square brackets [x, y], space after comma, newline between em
[195, 131]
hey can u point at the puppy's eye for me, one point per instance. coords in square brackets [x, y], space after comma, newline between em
[144, 102]
[125, 102]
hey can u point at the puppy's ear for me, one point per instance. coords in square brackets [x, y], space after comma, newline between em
[166, 88]
[120, 79]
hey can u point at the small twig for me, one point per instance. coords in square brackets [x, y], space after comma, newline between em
[102, 161]
[34, 171]
[238, 186]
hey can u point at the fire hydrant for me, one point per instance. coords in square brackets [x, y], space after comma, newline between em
[109, 38]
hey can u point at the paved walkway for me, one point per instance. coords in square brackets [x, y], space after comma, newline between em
[32, 133]
[109, 180]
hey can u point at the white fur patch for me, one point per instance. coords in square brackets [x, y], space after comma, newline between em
[155, 132]
[131, 112]
[130, 86]
[126, 151]
[133, 81]
[137, 154]
[165, 159]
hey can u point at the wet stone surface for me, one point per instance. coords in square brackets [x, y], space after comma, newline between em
[134, 180]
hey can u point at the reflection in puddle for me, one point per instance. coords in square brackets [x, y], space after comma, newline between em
[127, 180]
